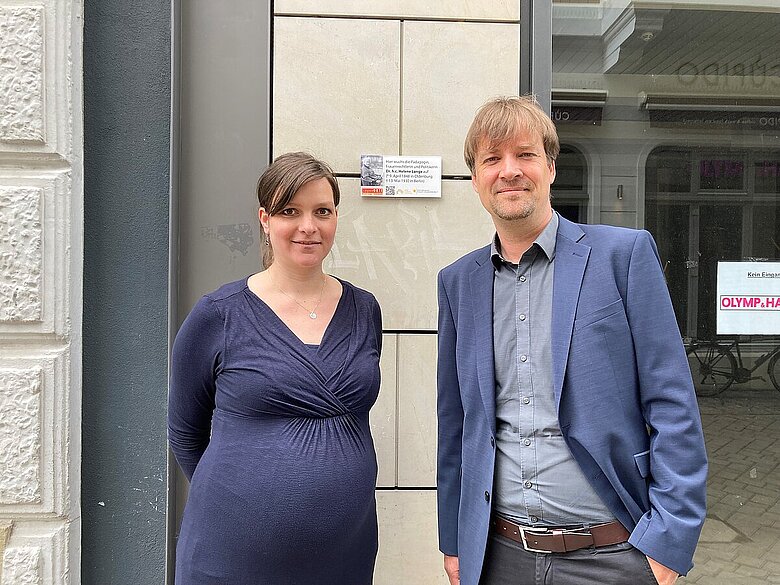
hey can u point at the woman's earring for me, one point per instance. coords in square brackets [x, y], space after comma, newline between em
[267, 240]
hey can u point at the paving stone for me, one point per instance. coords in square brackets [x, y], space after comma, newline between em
[751, 572]
[733, 578]
[753, 562]
[742, 431]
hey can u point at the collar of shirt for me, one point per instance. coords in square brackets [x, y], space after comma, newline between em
[545, 241]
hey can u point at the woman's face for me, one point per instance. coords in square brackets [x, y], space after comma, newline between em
[302, 233]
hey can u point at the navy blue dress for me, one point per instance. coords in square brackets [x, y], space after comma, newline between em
[274, 436]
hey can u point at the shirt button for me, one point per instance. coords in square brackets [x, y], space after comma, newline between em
[526, 400]
[534, 519]
[523, 358]
[521, 317]
[487, 496]
[521, 278]
[527, 442]
[526, 485]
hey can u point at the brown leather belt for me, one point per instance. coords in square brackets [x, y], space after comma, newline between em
[558, 540]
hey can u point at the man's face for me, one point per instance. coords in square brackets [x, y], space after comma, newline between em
[513, 178]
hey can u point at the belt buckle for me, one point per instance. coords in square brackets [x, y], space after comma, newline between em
[526, 546]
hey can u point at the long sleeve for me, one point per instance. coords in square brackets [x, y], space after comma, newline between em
[195, 363]
[450, 434]
[377, 316]
[669, 531]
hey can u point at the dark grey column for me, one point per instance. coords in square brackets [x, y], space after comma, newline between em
[536, 50]
[126, 188]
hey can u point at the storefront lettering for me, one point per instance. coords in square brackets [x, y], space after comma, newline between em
[760, 302]
[576, 115]
[754, 74]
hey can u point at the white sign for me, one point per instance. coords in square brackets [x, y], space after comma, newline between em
[400, 176]
[748, 298]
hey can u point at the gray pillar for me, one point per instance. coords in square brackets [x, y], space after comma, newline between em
[536, 50]
[126, 189]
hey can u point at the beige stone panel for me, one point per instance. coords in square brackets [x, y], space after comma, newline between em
[482, 10]
[395, 247]
[417, 410]
[383, 414]
[336, 88]
[450, 69]
[408, 539]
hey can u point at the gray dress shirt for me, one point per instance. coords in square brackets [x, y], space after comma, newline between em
[537, 480]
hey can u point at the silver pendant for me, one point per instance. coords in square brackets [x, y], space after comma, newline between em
[313, 315]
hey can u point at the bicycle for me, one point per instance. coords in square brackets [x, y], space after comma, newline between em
[714, 367]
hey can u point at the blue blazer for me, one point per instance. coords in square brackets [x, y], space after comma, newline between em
[626, 404]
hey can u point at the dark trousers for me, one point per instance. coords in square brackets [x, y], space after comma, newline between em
[508, 563]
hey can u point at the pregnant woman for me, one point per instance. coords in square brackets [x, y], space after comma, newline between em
[272, 378]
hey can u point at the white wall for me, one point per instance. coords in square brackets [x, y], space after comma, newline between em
[40, 290]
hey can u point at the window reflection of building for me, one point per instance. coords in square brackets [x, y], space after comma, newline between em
[686, 145]
[570, 189]
[705, 206]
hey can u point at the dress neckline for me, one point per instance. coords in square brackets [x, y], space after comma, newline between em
[325, 334]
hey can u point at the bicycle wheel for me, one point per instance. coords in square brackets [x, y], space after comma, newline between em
[712, 368]
[774, 371]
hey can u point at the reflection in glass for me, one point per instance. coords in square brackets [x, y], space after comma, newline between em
[570, 189]
[690, 112]
[721, 173]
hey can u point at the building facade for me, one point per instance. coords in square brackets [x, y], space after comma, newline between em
[41, 251]
[669, 118]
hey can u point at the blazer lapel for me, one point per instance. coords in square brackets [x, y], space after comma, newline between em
[481, 280]
[571, 258]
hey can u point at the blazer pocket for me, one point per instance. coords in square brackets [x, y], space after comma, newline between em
[599, 314]
[643, 463]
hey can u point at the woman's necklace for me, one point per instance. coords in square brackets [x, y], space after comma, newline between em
[313, 312]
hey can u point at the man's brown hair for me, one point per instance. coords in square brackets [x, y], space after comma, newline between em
[501, 118]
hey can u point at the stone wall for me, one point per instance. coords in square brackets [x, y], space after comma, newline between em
[40, 290]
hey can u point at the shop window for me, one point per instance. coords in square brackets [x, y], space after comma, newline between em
[570, 189]
[722, 173]
[767, 175]
[703, 207]
[669, 171]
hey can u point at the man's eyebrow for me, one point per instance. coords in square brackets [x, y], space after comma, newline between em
[496, 146]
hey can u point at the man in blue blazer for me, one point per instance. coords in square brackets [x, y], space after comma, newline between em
[570, 443]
